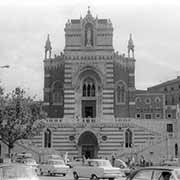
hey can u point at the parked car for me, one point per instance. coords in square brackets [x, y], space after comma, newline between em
[123, 166]
[156, 173]
[96, 169]
[75, 162]
[16, 171]
[31, 162]
[53, 167]
[171, 162]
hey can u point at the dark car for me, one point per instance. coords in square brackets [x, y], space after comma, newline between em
[156, 173]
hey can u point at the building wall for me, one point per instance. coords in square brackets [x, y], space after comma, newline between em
[53, 72]
[171, 90]
[153, 140]
[150, 105]
[95, 57]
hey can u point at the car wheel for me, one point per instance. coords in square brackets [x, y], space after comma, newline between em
[64, 174]
[40, 172]
[111, 178]
[75, 175]
[94, 177]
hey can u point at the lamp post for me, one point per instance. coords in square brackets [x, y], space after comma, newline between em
[5, 66]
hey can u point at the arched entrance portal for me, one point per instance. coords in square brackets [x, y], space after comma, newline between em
[88, 144]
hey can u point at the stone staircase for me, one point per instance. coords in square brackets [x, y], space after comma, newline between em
[39, 154]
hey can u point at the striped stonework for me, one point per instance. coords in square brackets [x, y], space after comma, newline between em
[108, 91]
[109, 72]
[61, 141]
[68, 91]
[108, 102]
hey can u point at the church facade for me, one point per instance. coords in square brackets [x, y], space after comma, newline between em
[91, 101]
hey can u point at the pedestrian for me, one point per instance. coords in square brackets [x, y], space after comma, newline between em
[113, 160]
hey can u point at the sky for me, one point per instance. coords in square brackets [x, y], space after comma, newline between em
[24, 25]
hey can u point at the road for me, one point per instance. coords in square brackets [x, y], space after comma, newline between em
[68, 176]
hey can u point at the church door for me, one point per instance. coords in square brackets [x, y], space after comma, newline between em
[88, 145]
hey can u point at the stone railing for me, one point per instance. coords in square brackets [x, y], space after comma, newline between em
[149, 120]
[88, 120]
[54, 120]
[79, 120]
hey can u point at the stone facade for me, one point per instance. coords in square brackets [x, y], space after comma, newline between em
[92, 105]
[89, 62]
[171, 91]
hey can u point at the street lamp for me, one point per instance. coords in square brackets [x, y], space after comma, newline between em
[5, 66]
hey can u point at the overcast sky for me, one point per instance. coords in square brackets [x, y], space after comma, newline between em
[24, 25]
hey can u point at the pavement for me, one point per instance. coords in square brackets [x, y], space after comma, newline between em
[69, 176]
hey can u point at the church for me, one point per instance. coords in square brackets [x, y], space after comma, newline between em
[92, 103]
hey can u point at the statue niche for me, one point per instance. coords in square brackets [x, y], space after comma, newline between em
[88, 35]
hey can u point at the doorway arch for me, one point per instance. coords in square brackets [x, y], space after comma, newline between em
[88, 144]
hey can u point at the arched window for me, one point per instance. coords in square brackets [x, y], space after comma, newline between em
[89, 88]
[173, 100]
[93, 90]
[47, 138]
[120, 93]
[128, 138]
[176, 150]
[84, 89]
[57, 93]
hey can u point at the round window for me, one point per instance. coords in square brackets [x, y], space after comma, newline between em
[148, 101]
[157, 100]
[138, 99]
[104, 138]
[71, 138]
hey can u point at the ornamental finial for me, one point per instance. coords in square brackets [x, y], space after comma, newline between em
[48, 47]
[130, 46]
[89, 12]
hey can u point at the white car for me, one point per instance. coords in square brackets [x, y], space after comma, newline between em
[53, 167]
[31, 162]
[123, 166]
[96, 169]
[17, 171]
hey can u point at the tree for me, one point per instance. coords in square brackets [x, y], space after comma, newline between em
[21, 117]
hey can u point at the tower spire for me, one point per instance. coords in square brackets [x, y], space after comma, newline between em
[130, 46]
[48, 47]
[89, 12]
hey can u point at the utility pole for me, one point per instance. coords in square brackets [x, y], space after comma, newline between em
[5, 66]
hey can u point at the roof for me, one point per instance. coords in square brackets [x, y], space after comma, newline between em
[12, 164]
[97, 160]
[102, 21]
[161, 167]
[75, 21]
[139, 91]
[172, 81]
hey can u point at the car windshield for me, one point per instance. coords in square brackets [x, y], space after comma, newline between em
[177, 173]
[11, 172]
[121, 163]
[104, 163]
[59, 162]
[30, 161]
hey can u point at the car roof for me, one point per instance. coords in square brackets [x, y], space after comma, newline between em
[97, 160]
[12, 164]
[160, 168]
